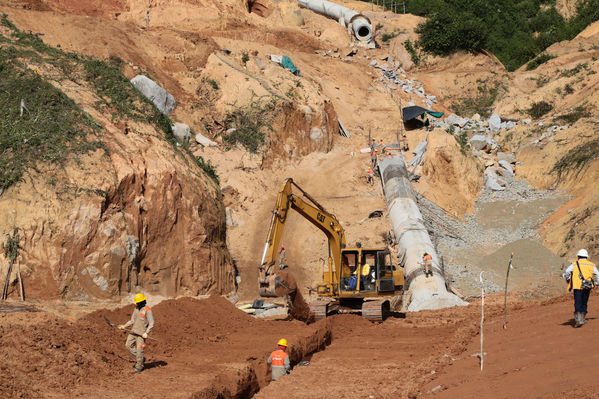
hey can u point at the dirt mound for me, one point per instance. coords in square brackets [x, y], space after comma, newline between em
[213, 349]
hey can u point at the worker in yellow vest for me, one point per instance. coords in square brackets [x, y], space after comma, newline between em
[582, 276]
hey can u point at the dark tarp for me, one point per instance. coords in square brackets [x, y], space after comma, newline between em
[410, 113]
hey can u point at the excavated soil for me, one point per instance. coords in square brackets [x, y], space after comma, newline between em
[204, 348]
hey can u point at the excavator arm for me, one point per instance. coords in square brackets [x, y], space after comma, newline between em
[274, 282]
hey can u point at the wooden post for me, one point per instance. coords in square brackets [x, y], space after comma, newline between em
[21, 287]
[482, 319]
[507, 276]
[7, 281]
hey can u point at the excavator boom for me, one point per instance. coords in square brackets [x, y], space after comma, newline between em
[312, 211]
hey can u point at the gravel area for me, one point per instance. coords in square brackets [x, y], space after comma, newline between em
[500, 218]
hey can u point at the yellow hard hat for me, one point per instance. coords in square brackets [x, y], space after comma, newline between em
[139, 298]
[282, 342]
[366, 270]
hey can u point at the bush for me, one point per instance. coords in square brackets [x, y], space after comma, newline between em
[249, 123]
[539, 109]
[577, 159]
[574, 115]
[207, 167]
[515, 31]
[477, 105]
[414, 55]
[534, 64]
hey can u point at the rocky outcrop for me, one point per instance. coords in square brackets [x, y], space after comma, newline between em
[141, 216]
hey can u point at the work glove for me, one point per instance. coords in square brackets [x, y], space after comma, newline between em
[144, 335]
[121, 327]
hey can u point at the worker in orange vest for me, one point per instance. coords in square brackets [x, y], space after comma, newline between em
[427, 260]
[141, 323]
[405, 143]
[279, 360]
[370, 178]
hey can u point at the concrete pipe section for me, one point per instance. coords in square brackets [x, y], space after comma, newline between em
[358, 24]
[413, 239]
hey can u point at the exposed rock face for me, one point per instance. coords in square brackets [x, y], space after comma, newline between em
[302, 131]
[141, 218]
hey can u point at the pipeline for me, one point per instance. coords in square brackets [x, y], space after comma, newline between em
[358, 24]
[413, 239]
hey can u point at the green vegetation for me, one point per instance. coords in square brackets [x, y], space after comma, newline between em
[207, 167]
[568, 73]
[414, 54]
[479, 104]
[462, 139]
[574, 115]
[516, 31]
[541, 59]
[51, 128]
[12, 246]
[577, 159]
[388, 36]
[249, 123]
[213, 83]
[245, 57]
[539, 109]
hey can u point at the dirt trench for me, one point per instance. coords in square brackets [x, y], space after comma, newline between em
[202, 349]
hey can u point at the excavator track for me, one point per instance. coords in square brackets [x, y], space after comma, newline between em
[322, 309]
[376, 311]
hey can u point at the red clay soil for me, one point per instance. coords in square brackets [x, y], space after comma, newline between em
[209, 349]
[540, 355]
[205, 349]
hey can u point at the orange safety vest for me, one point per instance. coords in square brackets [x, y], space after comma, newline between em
[428, 257]
[143, 312]
[278, 358]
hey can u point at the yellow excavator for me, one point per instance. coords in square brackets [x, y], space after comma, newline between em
[356, 280]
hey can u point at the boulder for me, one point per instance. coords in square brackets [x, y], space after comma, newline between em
[502, 156]
[182, 132]
[453, 119]
[478, 142]
[163, 100]
[493, 181]
[495, 122]
[509, 171]
[205, 141]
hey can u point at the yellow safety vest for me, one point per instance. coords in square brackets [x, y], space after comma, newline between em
[586, 267]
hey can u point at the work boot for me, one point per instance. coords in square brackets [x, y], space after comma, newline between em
[139, 370]
[584, 317]
[578, 318]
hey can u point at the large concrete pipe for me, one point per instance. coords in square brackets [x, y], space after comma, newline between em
[413, 239]
[358, 24]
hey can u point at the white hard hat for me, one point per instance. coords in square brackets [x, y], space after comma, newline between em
[582, 253]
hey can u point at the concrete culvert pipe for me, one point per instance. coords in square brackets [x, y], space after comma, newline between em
[413, 239]
[359, 25]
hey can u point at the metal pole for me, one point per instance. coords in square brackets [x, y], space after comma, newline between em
[507, 276]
